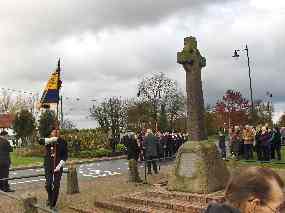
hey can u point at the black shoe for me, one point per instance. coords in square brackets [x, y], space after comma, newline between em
[47, 203]
[54, 208]
[9, 190]
[139, 181]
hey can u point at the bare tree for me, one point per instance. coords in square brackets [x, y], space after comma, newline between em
[111, 114]
[13, 104]
[139, 113]
[5, 101]
[175, 106]
[68, 124]
[156, 90]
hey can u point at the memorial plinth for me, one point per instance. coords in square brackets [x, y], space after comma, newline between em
[198, 169]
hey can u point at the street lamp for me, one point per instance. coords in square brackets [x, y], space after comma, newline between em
[236, 55]
[269, 104]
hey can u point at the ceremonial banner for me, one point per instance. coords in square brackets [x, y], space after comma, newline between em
[51, 91]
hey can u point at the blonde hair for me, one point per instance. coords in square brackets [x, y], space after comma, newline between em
[148, 131]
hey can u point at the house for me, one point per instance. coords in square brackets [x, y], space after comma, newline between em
[6, 121]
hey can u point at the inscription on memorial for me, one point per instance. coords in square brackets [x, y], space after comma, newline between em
[187, 164]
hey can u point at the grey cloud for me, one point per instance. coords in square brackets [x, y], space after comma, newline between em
[108, 46]
[51, 20]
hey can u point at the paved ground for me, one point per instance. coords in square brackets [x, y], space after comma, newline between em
[85, 172]
[91, 187]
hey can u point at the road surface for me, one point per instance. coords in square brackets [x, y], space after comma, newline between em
[85, 172]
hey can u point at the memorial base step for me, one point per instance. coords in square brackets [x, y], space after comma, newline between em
[159, 201]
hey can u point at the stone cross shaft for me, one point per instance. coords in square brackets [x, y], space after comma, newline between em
[192, 61]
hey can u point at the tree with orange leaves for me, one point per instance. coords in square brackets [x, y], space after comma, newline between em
[232, 110]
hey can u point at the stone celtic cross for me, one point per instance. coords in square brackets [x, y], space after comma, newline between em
[192, 61]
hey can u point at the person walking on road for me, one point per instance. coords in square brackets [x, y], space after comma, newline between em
[5, 162]
[55, 157]
[151, 152]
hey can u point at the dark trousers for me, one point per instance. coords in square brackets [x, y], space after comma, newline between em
[272, 151]
[235, 146]
[241, 149]
[4, 173]
[52, 185]
[258, 150]
[169, 152]
[133, 171]
[164, 152]
[222, 146]
[248, 154]
[141, 155]
[276, 147]
[152, 162]
[265, 153]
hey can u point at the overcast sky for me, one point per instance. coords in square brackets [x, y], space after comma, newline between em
[107, 46]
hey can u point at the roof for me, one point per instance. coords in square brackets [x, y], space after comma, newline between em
[6, 120]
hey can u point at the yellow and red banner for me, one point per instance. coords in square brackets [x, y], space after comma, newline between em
[51, 91]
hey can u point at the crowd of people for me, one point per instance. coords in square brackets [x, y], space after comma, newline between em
[244, 141]
[150, 147]
[167, 143]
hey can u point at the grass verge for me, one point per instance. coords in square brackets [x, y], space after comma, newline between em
[25, 161]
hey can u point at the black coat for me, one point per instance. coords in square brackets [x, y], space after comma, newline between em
[276, 138]
[133, 149]
[60, 153]
[265, 139]
[257, 139]
[5, 150]
[221, 208]
[151, 146]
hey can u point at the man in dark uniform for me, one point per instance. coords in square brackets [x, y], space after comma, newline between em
[5, 161]
[133, 151]
[151, 152]
[55, 157]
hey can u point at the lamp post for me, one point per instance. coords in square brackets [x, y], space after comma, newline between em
[236, 55]
[269, 104]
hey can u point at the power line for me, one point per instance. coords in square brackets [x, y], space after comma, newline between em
[19, 91]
